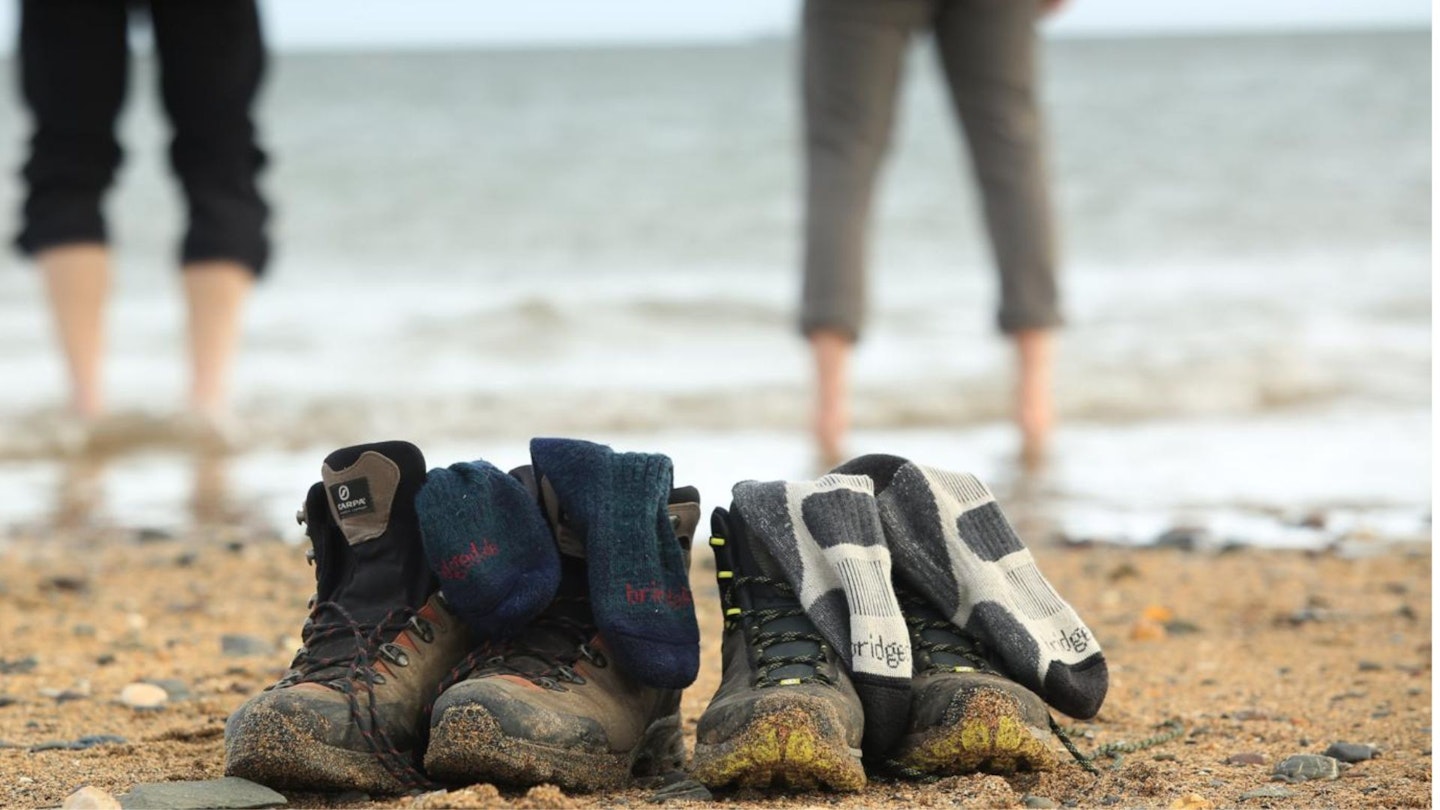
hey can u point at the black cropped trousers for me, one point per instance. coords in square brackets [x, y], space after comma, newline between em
[74, 60]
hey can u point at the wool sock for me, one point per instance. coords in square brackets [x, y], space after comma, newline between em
[826, 536]
[639, 586]
[488, 542]
[953, 545]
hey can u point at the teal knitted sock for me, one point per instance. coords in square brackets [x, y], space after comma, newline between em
[639, 588]
[488, 542]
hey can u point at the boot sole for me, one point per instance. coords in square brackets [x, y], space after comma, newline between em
[269, 748]
[788, 747]
[991, 737]
[468, 746]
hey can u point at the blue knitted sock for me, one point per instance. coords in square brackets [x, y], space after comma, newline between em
[639, 588]
[488, 542]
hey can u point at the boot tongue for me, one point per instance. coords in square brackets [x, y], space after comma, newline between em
[374, 562]
[753, 559]
[362, 488]
[925, 642]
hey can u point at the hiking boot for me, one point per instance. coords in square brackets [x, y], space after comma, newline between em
[965, 715]
[786, 714]
[350, 712]
[548, 705]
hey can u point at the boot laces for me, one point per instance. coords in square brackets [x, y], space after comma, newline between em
[757, 619]
[544, 653]
[354, 674]
[932, 634]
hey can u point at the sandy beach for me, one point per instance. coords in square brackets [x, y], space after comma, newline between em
[1258, 654]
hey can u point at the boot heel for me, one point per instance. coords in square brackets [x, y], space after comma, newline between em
[661, 750]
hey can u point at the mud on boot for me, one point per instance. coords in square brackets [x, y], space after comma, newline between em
[349, 713]
[785, 714]
[965, 714]
[549, 704]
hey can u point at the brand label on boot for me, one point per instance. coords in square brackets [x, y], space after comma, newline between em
[352, 498]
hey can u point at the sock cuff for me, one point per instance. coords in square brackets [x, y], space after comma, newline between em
[648, 475]
[967, 490]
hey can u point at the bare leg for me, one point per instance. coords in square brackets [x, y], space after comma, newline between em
[832, 394]
[77, 280]
[1034, 409]
[215, 294]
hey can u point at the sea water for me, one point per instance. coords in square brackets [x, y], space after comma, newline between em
[476, 247]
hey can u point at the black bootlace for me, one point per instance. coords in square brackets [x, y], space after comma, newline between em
[920, 617]
[545, 653]
[758, 618]
[354, 674]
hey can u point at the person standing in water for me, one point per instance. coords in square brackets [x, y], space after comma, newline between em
[852, 52]
[74, 59]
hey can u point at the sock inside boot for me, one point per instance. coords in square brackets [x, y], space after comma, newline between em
[639, 585]
[489, 543]
[826, 536]
[953, 545]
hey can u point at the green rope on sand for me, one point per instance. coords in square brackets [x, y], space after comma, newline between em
[1171, 729]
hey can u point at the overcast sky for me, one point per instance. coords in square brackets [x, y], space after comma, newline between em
[369, 23]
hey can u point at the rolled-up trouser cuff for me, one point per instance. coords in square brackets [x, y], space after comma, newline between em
[1012, 321]
[815, 318]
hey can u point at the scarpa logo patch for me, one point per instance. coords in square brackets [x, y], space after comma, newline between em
[352, 497]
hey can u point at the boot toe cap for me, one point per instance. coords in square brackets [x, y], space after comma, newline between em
[521, 713]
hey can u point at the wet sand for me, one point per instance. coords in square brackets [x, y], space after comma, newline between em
[1259, 654]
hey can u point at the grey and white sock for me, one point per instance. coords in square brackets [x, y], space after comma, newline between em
[953, 544]
[826, 536]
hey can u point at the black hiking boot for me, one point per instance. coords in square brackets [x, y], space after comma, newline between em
[350, 712]
[786, 714]
[965, 715]
[548, 705]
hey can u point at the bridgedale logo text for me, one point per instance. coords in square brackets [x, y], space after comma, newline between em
[657, 594]
[459, 566]
[1077, 640]
[890, 653]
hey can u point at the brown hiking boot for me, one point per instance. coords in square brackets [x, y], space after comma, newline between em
[548, 705]
[350, 712]
[785, 714]
[965, 715]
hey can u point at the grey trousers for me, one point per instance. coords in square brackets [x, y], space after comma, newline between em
[852, 54]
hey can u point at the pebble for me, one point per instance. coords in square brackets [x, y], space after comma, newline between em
[83, 630]
[151, 535]
[90, 798]
[1351, 752]
[88, 741]
[1301, 767]
[66, 582]
[175, 689]
[1038, 801]
[1247, 758]
[685, 790]
[19, 666]
[143, 696]
[1192, 801]
[6, 700]
[1370, 666]
[237, 646]
[1267, 792]
[230, 793]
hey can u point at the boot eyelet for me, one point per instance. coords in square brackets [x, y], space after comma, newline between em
[593, 655]
[395, 655]
[424, 629]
